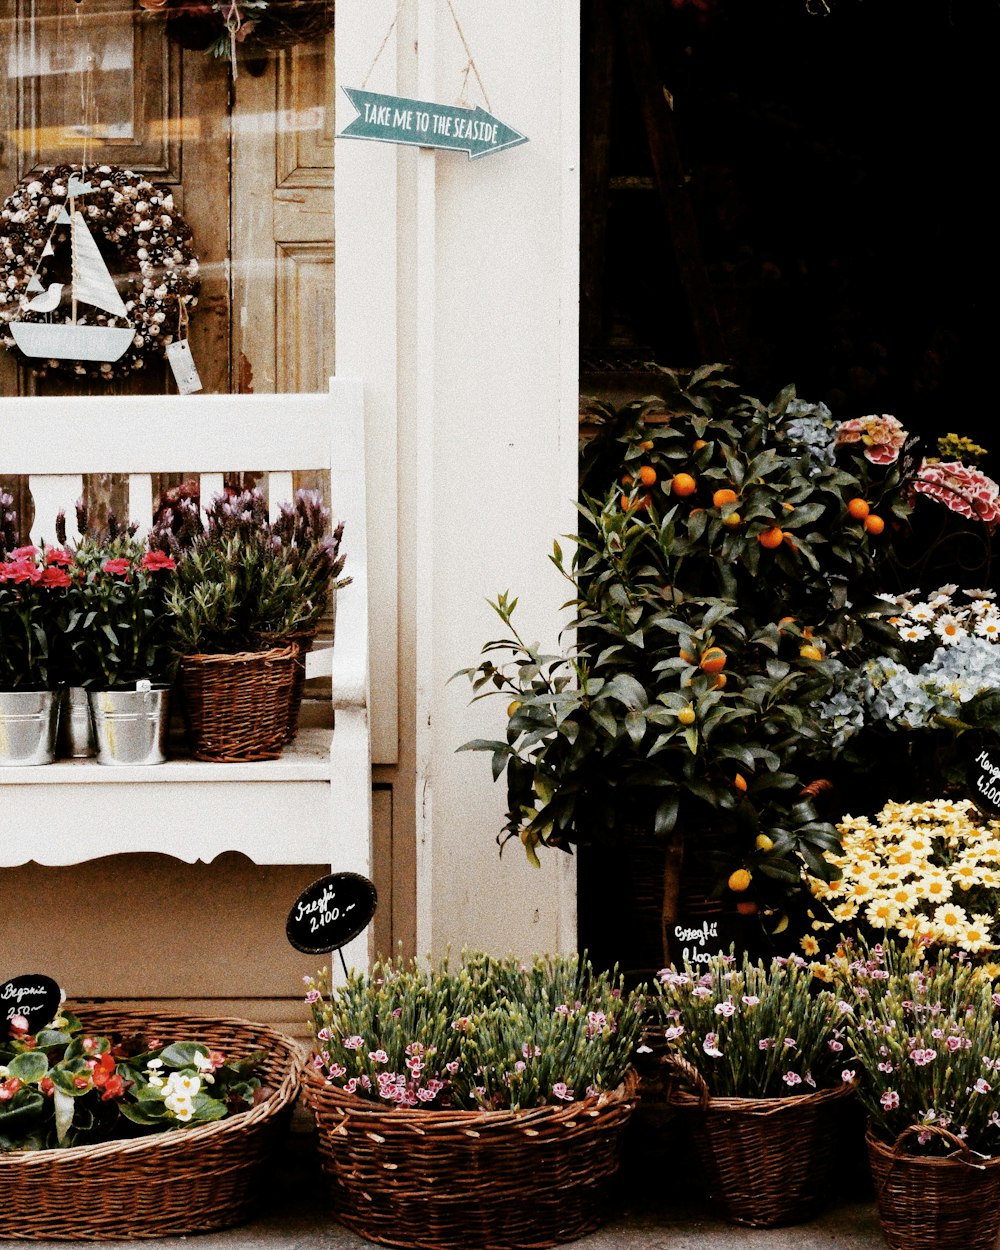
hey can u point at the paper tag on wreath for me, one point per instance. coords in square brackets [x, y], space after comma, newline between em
[184, 369]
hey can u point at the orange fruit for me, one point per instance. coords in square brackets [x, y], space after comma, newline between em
[646, 445]
[789, 507]
[713, 660]
[698, 444]
[683, 484]
[686, 656]
[628, 481]
[809, 652]
[720, 681]
[739, 880]
[513, 706]
[647, 475]
[724, 496]
[733, 521]
[785, 620]
[771, 538]
[763, 842]
[686, 715]
[740, 782]
[874, 524]
[746, 907]
[858, 509]
[626, 504]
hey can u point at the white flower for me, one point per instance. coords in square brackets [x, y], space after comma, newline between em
[921, 612]
[989, 626]
[949, 629]
[912, 632]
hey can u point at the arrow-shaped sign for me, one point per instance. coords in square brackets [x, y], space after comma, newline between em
[393, 119]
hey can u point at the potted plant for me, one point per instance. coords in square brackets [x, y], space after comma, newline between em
[246, 600]
[115, 649]
[33, 588]
[96, 1107]
[726, 559]
[432, 1088]
[756, 1056]
[925, 1046]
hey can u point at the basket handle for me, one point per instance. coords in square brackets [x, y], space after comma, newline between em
[690, 1073]
[966, 1155]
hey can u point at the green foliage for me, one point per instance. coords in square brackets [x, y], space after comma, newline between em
[684, 702]
[496, 1033]
[755, 1031]
[65, 1088]
[926, 1045]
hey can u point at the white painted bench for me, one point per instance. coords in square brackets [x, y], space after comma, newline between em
[312, 806]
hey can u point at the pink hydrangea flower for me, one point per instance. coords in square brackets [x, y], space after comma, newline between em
[964, 490]
[882, 437]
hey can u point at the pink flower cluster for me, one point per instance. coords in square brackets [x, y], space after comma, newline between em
[24, 567]
[962, 489]
[882, 437]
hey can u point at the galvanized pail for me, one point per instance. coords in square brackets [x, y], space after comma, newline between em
[131, 725]
[27, 726]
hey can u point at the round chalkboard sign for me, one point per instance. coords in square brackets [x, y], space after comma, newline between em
[984, 779]
[32, 997]
[330, 912]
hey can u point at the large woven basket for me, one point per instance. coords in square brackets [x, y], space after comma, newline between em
[182, 1181]
[766, 1161]
[493, 1180]
[238, 706]
[925, 1203]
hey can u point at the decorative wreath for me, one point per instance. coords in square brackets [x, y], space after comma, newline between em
[141, 236]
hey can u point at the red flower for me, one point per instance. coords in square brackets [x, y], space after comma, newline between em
[9, 1088]
[114, 1087]
[20, 571]
[155, 561]
[119, 567]
[24, 553]
[47, 1086]
[962, 489]
[60, 556]
[882, 437]
[55, 577]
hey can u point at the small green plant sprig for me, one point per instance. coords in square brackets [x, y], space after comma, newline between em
[925, 1044]
[245, 582]
[64, 1087]
[496, 1033]
[752, 1030]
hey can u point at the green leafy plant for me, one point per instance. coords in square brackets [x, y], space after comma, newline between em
[63, 1087]
[752, 1030]
[925, 1045]
[495, 1033]
[244, 582]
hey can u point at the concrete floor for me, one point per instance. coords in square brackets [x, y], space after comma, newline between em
[658, 1208]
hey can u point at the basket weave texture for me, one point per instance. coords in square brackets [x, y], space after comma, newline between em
[493, 1180]
[946, 1203]
[180, 1181]
[766, 1161]
[303, 645]
[287, 22]
[238, 706]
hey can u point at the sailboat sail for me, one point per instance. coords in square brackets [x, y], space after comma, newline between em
[92, 283]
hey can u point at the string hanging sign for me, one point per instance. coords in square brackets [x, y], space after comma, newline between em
[424, 123]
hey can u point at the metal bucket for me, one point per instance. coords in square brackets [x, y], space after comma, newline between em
[75, 739]
[27, 726]
[131, 725]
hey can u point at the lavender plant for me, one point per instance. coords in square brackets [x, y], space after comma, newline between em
[753, 1031]
[493, 1034]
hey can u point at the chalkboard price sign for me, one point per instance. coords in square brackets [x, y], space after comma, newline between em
[984, 781]
[698, 939]
[330, 912]
[32, 998]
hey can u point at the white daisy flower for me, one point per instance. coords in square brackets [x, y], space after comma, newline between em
[912, 632]
[949, 629]
[921, 612]
[989, 627]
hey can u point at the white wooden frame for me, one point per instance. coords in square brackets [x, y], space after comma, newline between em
[314, 804]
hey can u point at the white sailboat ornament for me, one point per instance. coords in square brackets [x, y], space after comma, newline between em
[90, 283]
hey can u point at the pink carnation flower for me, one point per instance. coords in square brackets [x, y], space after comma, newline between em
[882, 437]
[962, 489]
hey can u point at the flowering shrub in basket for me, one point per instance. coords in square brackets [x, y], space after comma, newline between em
[63, 1087]
[493, 1034]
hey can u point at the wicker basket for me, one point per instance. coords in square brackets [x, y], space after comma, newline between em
[184, 1181]
[948, 1203]
[237, 706]
[765, 1160]
[303, 644]
[495, 1180]
[287, 22]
